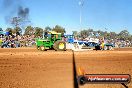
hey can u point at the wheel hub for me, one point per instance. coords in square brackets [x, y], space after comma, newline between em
[61, 46]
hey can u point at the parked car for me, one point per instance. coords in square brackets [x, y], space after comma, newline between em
[90, 45]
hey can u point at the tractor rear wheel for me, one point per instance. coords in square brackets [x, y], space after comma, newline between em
[42, 48]
[59, 45]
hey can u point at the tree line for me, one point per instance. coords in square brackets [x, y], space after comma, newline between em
[37, 31]
[122, 35]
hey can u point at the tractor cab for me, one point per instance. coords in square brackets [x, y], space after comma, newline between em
[53, 40]
[54, 36]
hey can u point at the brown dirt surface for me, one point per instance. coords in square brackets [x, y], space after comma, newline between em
[30, 68]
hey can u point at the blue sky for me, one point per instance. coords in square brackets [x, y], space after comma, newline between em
[115, 15]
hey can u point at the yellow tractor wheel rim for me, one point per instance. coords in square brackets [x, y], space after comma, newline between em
[61, 46]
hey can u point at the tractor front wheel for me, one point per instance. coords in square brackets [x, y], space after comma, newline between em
[42, 48]
[38, 47]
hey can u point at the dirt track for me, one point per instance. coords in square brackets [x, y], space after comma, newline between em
[30, 68]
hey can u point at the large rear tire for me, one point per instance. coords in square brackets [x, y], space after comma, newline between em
[59, 45]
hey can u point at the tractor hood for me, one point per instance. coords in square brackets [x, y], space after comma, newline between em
[43, 40]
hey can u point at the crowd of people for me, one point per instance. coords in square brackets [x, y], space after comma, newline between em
[115, 42]
[15, 41]
[120, 43]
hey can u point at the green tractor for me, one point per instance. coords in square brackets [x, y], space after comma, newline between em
[52, 41]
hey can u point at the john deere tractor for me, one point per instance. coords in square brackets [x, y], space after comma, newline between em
[53, 40]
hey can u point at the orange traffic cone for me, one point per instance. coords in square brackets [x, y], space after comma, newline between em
[81, 71]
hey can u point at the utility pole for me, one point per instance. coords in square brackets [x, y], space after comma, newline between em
[81, 3]
[43, 33]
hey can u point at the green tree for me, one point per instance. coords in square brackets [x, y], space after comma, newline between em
[29, 30]
[38, 32]
[113, 35]
[90, 32]
[84, 33]
[100, 32]
[17, 30]
[75, 33]
[47, 29]
[130, 38]
[59, 29]
[10, 30]
[124, 34]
